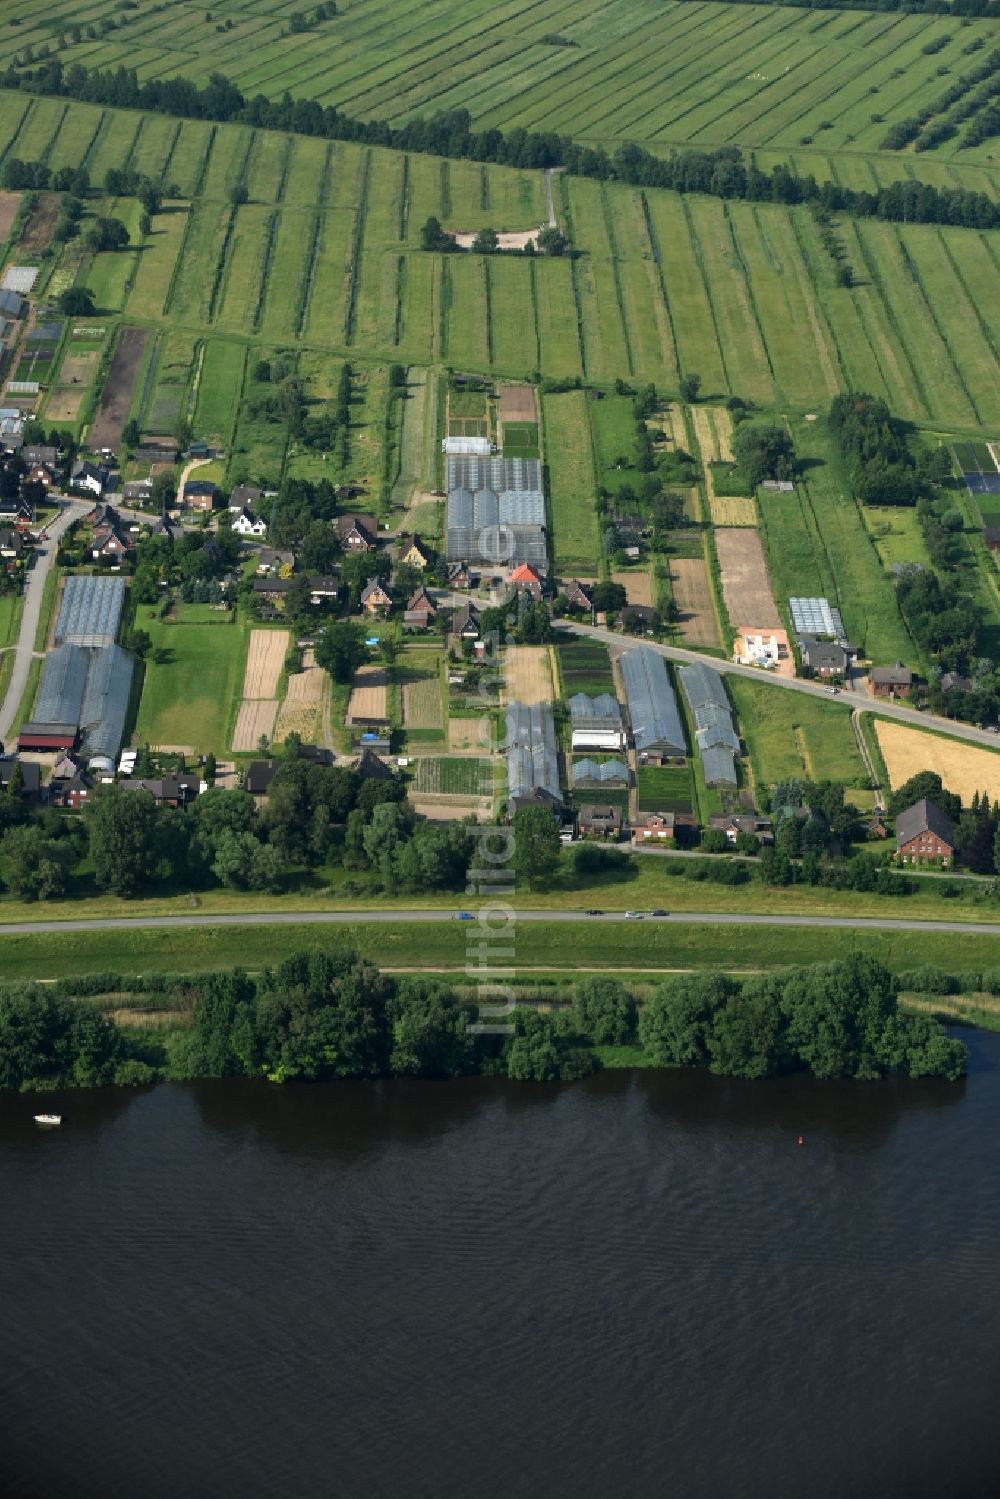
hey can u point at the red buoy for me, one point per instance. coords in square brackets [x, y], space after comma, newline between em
[802, 1139]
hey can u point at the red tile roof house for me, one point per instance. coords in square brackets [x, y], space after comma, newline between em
[925, 834]
[420, 611]
[526, 580]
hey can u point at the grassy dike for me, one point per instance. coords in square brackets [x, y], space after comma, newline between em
[441, 947]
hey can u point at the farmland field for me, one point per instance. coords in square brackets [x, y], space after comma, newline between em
[571, 479]
[792, 735]
[584, 666]
[665, 788]
[761, 75]
[186, 697]
[459, 775]
[964, 768]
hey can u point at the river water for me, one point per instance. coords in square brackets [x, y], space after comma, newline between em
[635, 1285]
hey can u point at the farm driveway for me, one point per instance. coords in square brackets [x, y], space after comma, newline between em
[45, 555]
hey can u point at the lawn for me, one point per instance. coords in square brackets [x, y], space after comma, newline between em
[643, 946]
[665, 788]
[790, 734]
[454, 775]
[188, 698]
[570, 467]
[10, 617]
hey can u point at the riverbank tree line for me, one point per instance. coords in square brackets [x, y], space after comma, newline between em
[331, 1015]
[721, 173]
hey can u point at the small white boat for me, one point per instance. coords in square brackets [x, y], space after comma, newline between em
[48, 1119]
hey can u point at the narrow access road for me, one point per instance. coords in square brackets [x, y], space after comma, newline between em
[859, 701]
[869, 764]
[423, 917]
[548, 197]
[45, 556]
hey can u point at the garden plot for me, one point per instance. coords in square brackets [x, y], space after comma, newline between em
[462, 775]
[693, 598]
[368, 700]
[716, 446]
[259, 708]
[470, 735]
[638, 586]
[746, 587]
[265, 658]
[300, 711]
[422, 706]
[963, 768]
[254, 722]
[527, 673]
[116, 398]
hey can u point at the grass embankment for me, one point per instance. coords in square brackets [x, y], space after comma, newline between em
[443, 946]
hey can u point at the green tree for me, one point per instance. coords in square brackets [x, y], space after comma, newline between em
[675, 1020]
[536, 845]
[604, 1012]
[239, 194]
[106, 234]
[429, 1028]
[486, 242]
[340, 649]
[690, 386]
[552, 241]
[35, 866]
[763, 452]
[77, 301]
[121, 827]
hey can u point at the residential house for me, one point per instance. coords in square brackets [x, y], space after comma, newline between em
[459, 575]
[375, 598]
[357, 533]
[755, 647]
[166, 527]
[577, 597]
[420, 611]
[92, 477]
[826, 658]
[536, 796]
[167, 791]
[370, 768]
[244, 497]
[271, 561]
[248, 524]
[952, 681]
[41, 455]
[655, 827]
[925, 834]
[315, 754]
[31, 776]
[39, 474]
[412, 552]
[69, 791]
[200, 494]
[260, 774]
[594, 821]
[759, 827]
[138, 491]
[637, 619]
[465, 623]
[11, 543]
[324, 589]
[890, 681]
[15, 510]
[526, 580]
[271, 588]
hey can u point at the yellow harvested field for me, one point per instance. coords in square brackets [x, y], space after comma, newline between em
[693, 597]
[367, 702]
[265, 658]
[724, 433]
[638, 585]
[301, 708]
[963, 768]
[529, 679]
[470, 736]
[731, 510]
[746, 587]
[254, 721]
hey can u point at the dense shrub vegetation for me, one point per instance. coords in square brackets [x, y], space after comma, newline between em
[323, 1016]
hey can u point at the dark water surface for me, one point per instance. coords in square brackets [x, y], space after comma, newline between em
[636, 1285]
